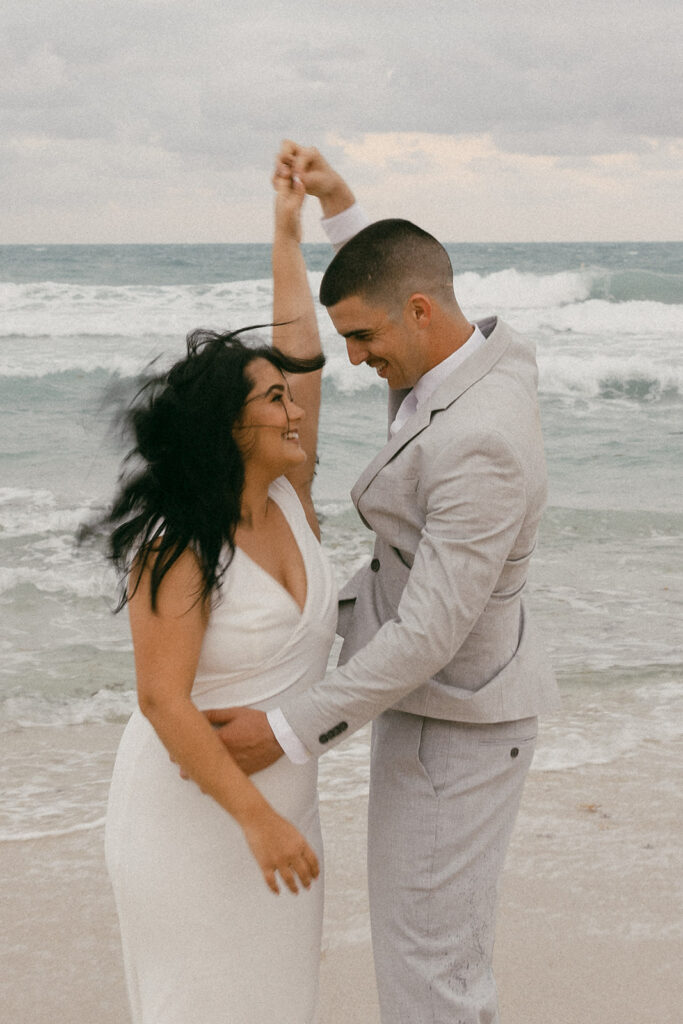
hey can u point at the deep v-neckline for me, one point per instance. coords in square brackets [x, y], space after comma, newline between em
[300, 608]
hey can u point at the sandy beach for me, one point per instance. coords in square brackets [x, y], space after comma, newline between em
[589, 925]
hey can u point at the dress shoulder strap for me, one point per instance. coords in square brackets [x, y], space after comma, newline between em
[285, 495]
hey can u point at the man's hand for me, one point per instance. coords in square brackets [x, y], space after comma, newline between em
[248, 736]
[317, 176]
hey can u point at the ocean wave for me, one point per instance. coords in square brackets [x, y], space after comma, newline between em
[635, 378]
[52, 796]
[68, 365]
[39, 547]
[579, 370]
[57, 310]
[516, 290]
[50, 833]
[587, 374]
[512, 289]
[25, 512]
[71, 580]
[36, 711]
[12, 494]
[597, 335]
[590, 731]
[600, 318]
[346, 379]
[640, 285]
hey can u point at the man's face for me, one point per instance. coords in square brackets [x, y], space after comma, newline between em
[388, 343]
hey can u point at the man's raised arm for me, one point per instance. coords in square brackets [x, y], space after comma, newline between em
[342, 216]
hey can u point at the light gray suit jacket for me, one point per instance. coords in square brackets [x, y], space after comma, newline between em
[435, 624]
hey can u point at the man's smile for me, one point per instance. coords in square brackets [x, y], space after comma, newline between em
[380, 365]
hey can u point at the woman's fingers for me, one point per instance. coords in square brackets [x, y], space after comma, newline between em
[288, 184]
[303, 866]
[312, 862]
[284, 168]
[271, 880]
[297, 867]
[287, 876]
[281, 849]
[306, 866]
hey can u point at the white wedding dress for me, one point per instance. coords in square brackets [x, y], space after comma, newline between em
[204, 939]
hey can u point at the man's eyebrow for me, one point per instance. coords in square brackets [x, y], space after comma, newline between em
[359, 332]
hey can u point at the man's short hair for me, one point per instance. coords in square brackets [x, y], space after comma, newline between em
[386, 263]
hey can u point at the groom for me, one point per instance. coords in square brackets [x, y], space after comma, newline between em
[439, 649]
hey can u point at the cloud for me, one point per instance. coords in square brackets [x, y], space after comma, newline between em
[468, 188]
[102, 99]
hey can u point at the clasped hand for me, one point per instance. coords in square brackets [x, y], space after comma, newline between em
[248, 736]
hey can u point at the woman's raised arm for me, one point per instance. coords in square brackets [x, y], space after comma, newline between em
[296, 333]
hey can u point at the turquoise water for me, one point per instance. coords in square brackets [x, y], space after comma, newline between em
[606, 584]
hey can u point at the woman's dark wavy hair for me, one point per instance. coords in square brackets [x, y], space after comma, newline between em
[181, 483]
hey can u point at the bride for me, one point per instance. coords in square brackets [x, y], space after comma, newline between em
[231, 602]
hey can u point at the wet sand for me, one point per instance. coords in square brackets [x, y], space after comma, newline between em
[590, 923]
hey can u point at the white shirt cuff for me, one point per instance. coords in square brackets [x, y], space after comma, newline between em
[286, 737]
[343, 226]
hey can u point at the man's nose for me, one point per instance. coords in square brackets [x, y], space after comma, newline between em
[357, 351]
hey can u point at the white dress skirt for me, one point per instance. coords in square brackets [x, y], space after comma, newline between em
[204, 939]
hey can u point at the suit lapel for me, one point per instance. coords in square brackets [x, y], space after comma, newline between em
[467, 374]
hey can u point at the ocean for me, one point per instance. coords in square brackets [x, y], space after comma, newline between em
[606, 585]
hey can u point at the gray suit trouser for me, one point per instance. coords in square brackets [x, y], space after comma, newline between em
[443, 800]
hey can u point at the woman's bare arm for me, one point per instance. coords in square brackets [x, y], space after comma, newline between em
[167, 643]
[297, 335]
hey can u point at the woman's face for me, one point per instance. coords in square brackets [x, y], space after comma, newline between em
[267, 430]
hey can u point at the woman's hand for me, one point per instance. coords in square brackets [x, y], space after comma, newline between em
[318, 177]
[278, 846]
[289, 199]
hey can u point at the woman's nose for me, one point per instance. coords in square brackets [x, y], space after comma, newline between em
[294, 411]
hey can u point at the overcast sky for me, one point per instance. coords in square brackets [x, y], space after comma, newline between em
[156, 120]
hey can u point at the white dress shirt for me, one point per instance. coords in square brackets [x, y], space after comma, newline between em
[343, 226]
[340, 229]
[429, 381]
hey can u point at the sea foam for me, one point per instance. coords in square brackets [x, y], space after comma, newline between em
[589, 343]
[40, 711]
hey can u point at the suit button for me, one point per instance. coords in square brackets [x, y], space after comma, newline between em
[374, 565]
[514, 752]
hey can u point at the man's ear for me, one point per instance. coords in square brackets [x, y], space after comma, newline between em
[419, 310]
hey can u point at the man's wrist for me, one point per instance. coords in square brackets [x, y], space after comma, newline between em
[286, 737]
[337, 200]
[343, 226]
